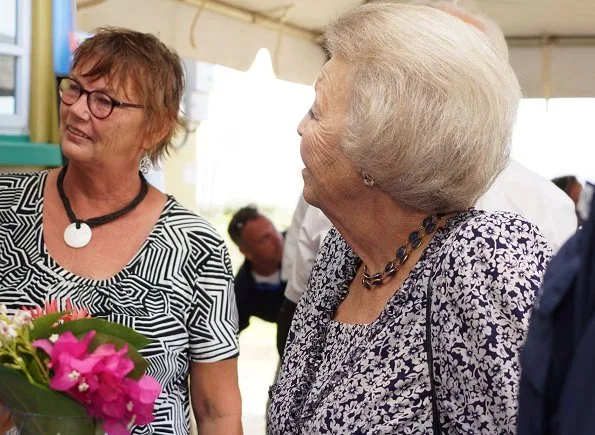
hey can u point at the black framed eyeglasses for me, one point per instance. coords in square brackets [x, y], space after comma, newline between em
[99, 103]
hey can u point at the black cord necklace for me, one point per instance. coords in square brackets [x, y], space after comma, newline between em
[78, 233]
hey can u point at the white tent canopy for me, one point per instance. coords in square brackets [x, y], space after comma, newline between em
[552, 42]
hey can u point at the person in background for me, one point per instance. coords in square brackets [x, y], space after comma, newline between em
[557, 390]
[516, 189]
[259, 286]
[417, 305]
[96, 233]
[571, 187]
[305, 235]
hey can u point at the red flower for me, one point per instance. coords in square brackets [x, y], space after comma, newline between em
[51, 307]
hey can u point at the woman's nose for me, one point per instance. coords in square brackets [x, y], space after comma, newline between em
[81, 107]
[300, 128]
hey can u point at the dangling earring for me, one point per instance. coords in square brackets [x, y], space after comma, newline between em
[145, 164]
[368, 180]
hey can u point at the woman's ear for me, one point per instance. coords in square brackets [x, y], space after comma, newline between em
[154, 137]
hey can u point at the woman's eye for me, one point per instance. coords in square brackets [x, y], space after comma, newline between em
[102, 100]
[311, 114]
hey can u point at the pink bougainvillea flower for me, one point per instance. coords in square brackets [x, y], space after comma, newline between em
[98, 380]
[126, 402]
[122, 402]
[67, 344]
[143, 394]
[145, 390]
[115, 361]
[110, 404]
[115, 427]
[70, 360]
[71, 370]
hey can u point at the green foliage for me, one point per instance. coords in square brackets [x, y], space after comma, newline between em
[17, 393]
[38, 410]
[82, 326]
[24, 375]
[42, 326]
[35, 372]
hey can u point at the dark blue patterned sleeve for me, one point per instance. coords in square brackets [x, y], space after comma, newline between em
[485, 285]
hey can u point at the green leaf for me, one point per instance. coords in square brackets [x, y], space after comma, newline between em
[38, 410]
[43, 325]
[35, 372]
[82, 326]
[140, 364]
[17, 393]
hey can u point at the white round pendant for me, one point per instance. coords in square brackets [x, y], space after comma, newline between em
[77, 237]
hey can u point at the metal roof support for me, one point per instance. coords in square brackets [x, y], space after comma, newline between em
[259, 18]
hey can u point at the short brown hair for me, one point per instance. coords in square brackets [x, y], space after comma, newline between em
[154, 71]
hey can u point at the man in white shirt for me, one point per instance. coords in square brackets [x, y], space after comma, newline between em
[304, 237]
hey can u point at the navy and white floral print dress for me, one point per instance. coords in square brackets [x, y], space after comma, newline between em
[480, 274]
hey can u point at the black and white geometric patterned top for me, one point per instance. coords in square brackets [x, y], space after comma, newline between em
[177, 290]
[481, 271]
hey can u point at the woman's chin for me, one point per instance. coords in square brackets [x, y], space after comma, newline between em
[309, 195]
[75, 151]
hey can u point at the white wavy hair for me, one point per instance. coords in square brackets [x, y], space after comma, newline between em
[431, 105]
[471, 15]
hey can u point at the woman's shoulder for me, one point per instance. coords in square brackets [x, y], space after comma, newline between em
[15, 180]
[332, 238]
[503, 228]
[334, 265]
[193, 239]
[189, 226]
[21, 188]
[482, 246]
[334, 249]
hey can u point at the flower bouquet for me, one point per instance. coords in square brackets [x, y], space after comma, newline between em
[62, 372]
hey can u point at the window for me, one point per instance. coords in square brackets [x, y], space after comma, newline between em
[15, 27]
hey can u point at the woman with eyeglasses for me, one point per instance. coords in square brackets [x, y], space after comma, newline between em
[96, 233]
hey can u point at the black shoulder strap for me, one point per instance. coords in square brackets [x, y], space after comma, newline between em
[437, 428]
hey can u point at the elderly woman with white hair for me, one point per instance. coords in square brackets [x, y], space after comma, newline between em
[417, 305]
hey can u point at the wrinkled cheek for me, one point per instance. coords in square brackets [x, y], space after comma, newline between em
[305, 147]
[314, 150]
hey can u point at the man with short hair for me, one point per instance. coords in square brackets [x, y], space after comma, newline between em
[259, 287]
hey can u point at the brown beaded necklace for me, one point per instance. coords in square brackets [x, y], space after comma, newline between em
[428, 226]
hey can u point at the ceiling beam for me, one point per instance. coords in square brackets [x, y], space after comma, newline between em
[560, 40]
[262, 19]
